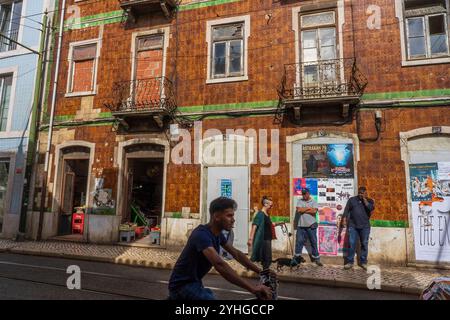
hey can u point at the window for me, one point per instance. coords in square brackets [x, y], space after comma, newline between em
[83, 68]
[318, 47]
[228, 51]
[5, 94]
[426, 29]
[10, 14]
[148, 68]
[149, 56]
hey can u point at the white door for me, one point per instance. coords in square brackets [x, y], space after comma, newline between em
[232, 181]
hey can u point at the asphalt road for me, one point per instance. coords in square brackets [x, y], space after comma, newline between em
[33, 277]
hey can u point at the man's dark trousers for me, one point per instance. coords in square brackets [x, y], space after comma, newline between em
[361, 234]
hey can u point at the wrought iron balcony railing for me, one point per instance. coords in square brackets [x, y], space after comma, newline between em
[148, 96]
[137, 7]
[318, 80]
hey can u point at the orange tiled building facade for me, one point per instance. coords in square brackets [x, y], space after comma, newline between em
[136, 75]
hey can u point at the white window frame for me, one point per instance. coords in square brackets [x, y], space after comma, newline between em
[227, 73]
[165, 33]
[19, 50]
[71, 64]
[8, 133]
[406, 60]
[245, 20]
[426, 23]
[339, 24]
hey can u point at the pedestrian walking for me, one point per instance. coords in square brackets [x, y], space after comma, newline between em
[262, 233]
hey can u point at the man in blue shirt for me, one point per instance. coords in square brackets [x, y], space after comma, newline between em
[201, 253]
[357, 214]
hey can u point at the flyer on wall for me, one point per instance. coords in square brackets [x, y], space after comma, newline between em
[430, 203]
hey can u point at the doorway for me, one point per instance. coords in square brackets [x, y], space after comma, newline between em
[144, 199]
[232, 182]
[73, 197]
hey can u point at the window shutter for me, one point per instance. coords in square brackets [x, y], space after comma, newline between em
[150, 42]
[84, 52]
[415, 8]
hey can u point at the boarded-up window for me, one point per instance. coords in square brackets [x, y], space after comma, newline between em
[149, 58]
[83, 68]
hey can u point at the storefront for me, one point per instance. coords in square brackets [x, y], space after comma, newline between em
[143, 164]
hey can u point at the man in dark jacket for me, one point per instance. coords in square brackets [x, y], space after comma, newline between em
[357, 214]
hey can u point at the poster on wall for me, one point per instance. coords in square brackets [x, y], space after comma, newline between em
[302, 183]
[342, 241]
[326, 189]
[333, 197]
[422, 177]
[431, 211]
[327, 236]
[226, 188]
[442, 188]
[327, 215]
[328, 161]
[340, 157]
[315, 161]
[103, 202]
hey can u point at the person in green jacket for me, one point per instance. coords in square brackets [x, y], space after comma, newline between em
[262, 234]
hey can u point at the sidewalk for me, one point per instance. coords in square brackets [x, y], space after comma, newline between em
[404, 280]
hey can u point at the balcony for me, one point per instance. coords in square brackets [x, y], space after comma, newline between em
[135, 8]
[135, 101]
[327, 84]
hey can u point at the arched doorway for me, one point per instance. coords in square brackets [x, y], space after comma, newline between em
[141, 188]
[74, 167]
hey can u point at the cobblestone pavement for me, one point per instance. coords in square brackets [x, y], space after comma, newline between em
[394, 279]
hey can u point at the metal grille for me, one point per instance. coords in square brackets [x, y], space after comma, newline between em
[143, 95]
[322, 79]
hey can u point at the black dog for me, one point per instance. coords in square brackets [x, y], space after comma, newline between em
[286, 262]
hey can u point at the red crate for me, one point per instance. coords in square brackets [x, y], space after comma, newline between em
[78, 223]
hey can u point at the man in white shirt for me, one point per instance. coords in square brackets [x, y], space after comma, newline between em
[306, 225]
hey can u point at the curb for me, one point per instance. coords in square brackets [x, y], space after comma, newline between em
[247, 274]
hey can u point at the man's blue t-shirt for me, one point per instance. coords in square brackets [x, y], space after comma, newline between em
[192, 265]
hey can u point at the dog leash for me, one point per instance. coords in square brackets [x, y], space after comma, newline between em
[286, 232]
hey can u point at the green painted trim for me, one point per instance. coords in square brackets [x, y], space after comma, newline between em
[230, 106]
[97, 124]
[280, 219]
[94, 20]
[389, 224]
[204, 4]
[406, 94]
[102, 115]
[64, 118]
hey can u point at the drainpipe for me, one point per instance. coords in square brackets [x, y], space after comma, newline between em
[52, 116]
